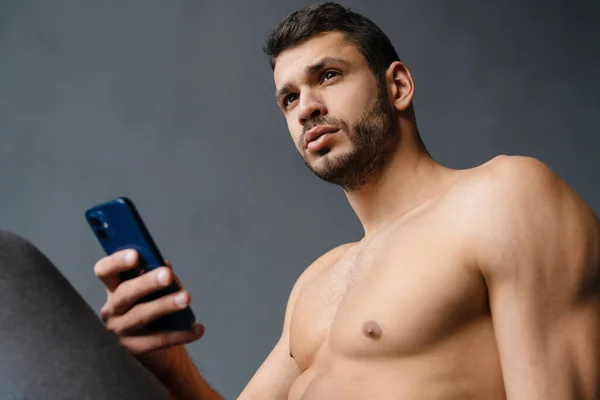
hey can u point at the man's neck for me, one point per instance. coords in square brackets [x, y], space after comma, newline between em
[410, 179]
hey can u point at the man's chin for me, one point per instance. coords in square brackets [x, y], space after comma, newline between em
[330, 170]
[319, 163]
[329, 165]
[334, 176]
[327, 156]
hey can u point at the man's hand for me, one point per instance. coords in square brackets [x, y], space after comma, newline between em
[158, 351]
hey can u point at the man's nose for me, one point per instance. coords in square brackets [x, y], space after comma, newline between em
[310, 108]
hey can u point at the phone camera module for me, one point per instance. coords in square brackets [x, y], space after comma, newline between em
[95, 221]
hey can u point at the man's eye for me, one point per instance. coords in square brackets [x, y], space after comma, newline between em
[329, 75]
[289, 99]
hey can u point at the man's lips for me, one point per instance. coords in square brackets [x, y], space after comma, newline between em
[319, 131]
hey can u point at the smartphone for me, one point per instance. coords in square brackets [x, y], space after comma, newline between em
[118, 226]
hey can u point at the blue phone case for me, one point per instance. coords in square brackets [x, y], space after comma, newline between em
[118, 226]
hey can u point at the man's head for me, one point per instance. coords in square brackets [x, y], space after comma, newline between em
[339, 79]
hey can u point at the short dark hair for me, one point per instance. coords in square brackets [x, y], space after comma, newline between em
[360, 31]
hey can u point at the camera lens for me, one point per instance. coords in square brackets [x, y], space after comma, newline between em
[95, 221]
[102, 233]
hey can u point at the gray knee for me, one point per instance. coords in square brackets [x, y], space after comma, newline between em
[19, 256]
[11, 240]
[15, 245]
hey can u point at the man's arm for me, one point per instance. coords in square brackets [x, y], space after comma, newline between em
[538, 248]
[277, 373]
[186, 382]
[274, 379]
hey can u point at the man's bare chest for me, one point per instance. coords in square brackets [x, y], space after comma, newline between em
[395, 296]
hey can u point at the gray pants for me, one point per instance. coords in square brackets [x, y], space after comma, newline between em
[52, 344]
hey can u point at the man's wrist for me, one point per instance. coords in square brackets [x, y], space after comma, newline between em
[185, 382]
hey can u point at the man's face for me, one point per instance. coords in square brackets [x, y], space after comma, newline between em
[340, 118]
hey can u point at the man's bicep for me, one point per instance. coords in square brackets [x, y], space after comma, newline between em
[278, 372]
[547, 350]
[275, 376]
[529, 353]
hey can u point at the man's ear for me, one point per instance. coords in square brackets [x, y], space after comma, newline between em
[400, 84]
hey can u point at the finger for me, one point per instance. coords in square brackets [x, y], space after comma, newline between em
[132, 290]
[143, 313]
[108, 268]
[157, 341]
[170, 266]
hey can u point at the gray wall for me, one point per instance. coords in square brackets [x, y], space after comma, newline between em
[170, 103]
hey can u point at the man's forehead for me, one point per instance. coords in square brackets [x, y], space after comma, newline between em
[292, 62]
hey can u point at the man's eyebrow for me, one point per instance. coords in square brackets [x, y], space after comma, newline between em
[285, 89]
[309, 70]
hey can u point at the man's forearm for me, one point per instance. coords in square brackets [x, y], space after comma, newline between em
[185, 383]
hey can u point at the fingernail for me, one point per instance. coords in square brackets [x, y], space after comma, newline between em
[130, 257]
[198, 330]
[181, 299]
[163, 277]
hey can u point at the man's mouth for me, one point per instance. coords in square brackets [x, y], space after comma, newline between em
[316, 133]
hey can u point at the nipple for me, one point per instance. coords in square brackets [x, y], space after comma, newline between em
[372, 330]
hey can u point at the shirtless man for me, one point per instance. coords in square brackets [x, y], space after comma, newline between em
[468, 284]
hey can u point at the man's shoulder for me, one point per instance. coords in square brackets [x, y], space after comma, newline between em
[511, 173]
[325, 260]
[519, 204]
[530, 189]
[510, 183]
[495, 200]
[522, 175]
[316, 267]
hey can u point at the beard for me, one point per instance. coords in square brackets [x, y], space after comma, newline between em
[372, 138]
